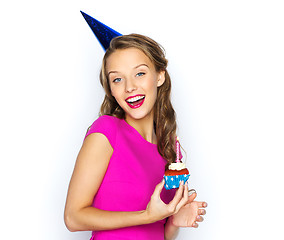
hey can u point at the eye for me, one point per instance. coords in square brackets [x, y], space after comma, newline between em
[140, 74]
[117, 80]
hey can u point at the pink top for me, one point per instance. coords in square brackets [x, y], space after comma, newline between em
[134, 169]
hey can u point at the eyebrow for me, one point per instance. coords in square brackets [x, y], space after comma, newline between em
[142, 64]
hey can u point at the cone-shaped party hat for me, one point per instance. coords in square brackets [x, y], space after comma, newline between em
[103, 33]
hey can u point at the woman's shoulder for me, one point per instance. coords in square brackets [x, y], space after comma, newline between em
[107, 120]
[106, 125]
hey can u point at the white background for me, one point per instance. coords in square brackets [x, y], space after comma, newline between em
[226, 60]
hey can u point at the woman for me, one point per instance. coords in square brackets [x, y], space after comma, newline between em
[116, 189]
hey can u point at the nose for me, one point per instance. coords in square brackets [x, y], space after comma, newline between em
[130, 85]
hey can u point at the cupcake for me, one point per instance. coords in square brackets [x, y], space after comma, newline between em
[176, 172]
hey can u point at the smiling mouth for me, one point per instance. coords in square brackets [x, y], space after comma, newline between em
[135, 102]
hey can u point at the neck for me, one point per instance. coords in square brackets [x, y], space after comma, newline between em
[144, 126]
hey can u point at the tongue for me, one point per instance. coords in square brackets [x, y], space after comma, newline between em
[136, 102]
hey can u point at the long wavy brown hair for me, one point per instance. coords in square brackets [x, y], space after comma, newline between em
[164, 114]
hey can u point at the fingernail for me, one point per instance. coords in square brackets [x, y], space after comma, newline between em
[191, 191]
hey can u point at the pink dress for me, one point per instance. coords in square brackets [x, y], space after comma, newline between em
[135, 168]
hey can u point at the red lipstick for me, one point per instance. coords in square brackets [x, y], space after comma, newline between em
[138, 103]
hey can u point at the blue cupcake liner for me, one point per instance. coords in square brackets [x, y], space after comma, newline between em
[173, 181]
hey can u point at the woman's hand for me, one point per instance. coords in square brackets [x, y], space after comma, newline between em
[157, 209]
[190, 213]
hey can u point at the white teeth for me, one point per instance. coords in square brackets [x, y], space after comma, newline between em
[131, 100]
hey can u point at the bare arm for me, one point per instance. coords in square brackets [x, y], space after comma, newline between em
[90, 168]
[171, 231]
[187, 216]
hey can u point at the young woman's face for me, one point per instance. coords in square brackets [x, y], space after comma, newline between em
[133, 81]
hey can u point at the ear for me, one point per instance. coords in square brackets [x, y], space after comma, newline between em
[161, 78]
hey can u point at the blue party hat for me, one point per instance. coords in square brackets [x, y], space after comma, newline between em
[103, 33]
